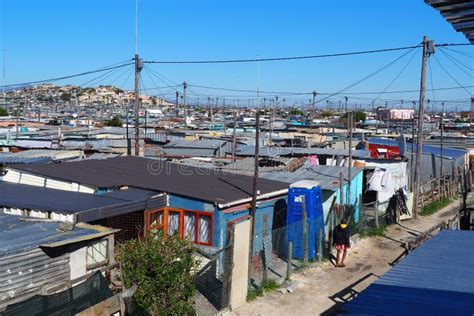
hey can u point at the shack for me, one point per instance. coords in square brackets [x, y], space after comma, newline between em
[198, 203]
[43, 257]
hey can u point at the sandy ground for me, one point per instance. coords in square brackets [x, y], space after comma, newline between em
[321, 287]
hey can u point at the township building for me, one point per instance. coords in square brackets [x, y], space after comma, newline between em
[137, 195]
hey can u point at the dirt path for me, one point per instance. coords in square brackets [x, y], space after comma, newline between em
[322, 287]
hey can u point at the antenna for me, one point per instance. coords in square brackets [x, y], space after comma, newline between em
[3, 78]
[258, 82]
[136, 27]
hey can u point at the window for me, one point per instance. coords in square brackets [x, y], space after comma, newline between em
[191, 225]
[97, 254]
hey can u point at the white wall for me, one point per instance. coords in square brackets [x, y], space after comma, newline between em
[77, 263]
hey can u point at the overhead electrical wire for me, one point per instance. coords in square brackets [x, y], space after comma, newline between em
[396, 77]
[225, 61]
[67, 77]
[94, 80]
[447, 72]
[431, 80]
[465, 54]
[458, 64]
[368, 76]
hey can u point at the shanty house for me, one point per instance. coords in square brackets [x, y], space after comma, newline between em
[198, 203]
[328, 178]
[44, 257]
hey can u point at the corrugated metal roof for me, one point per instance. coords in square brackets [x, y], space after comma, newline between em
[427, 149]
[18, 236]
[460, 13]
[435, 279]
[153, 174]
[300, 151]
[9, 160]
[203, 144]
[88, 207]
[39, 156]
[327, 176]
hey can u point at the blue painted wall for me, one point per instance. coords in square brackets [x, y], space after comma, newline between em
[356, 191]
[220, 220]
[189, 204]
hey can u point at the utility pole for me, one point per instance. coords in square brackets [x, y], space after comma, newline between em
[428, 49]
[224, 116]
[129, 142]
[216, 109]
[349, 174]
[184, 104]
[138, 69]
[470, 118]
[177, 103]
[255, 183]
[234, 136]
[3, 78]
[312, 104]
[412, 145]
[18, 117]
[441, 171]
[345, 104]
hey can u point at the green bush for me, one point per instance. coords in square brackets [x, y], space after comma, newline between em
[115, 121]
[3, 112]
[163, 268]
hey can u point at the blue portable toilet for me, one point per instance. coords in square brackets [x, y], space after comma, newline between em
[311, 191]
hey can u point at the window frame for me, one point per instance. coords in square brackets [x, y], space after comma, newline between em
[105, 262]
[165, 226]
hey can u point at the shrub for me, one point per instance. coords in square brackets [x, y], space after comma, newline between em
[163, 268]
[115, 121]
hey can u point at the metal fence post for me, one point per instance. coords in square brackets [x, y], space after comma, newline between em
[305, 229]
[320, 244]
[290, 260]
[376, 207]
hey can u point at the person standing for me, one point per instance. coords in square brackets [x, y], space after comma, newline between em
[342, 242]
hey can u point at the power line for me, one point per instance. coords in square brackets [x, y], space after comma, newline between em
[447, 72]
[458, 64]
[396, 77]
[465, 54]
[368, 76]
[66, 77]
[226, 61]
[282, 58]
[321, 93]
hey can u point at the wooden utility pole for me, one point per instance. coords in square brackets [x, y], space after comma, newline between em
[441, 171]
[184, 104]
[234, 136]
[349, 174]
[312, 104]
[129, 143]
[177, 103]
[253, 210]
[224, 116]
[428, 49]
[138, 69]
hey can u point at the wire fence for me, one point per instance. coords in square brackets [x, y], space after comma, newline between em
[279, 251]
[211, 293]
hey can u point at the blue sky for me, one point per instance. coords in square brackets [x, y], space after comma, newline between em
[49, 38]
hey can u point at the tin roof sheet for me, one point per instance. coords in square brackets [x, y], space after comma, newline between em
[435, 279]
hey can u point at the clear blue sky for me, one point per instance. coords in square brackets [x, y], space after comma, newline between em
[49, 38]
